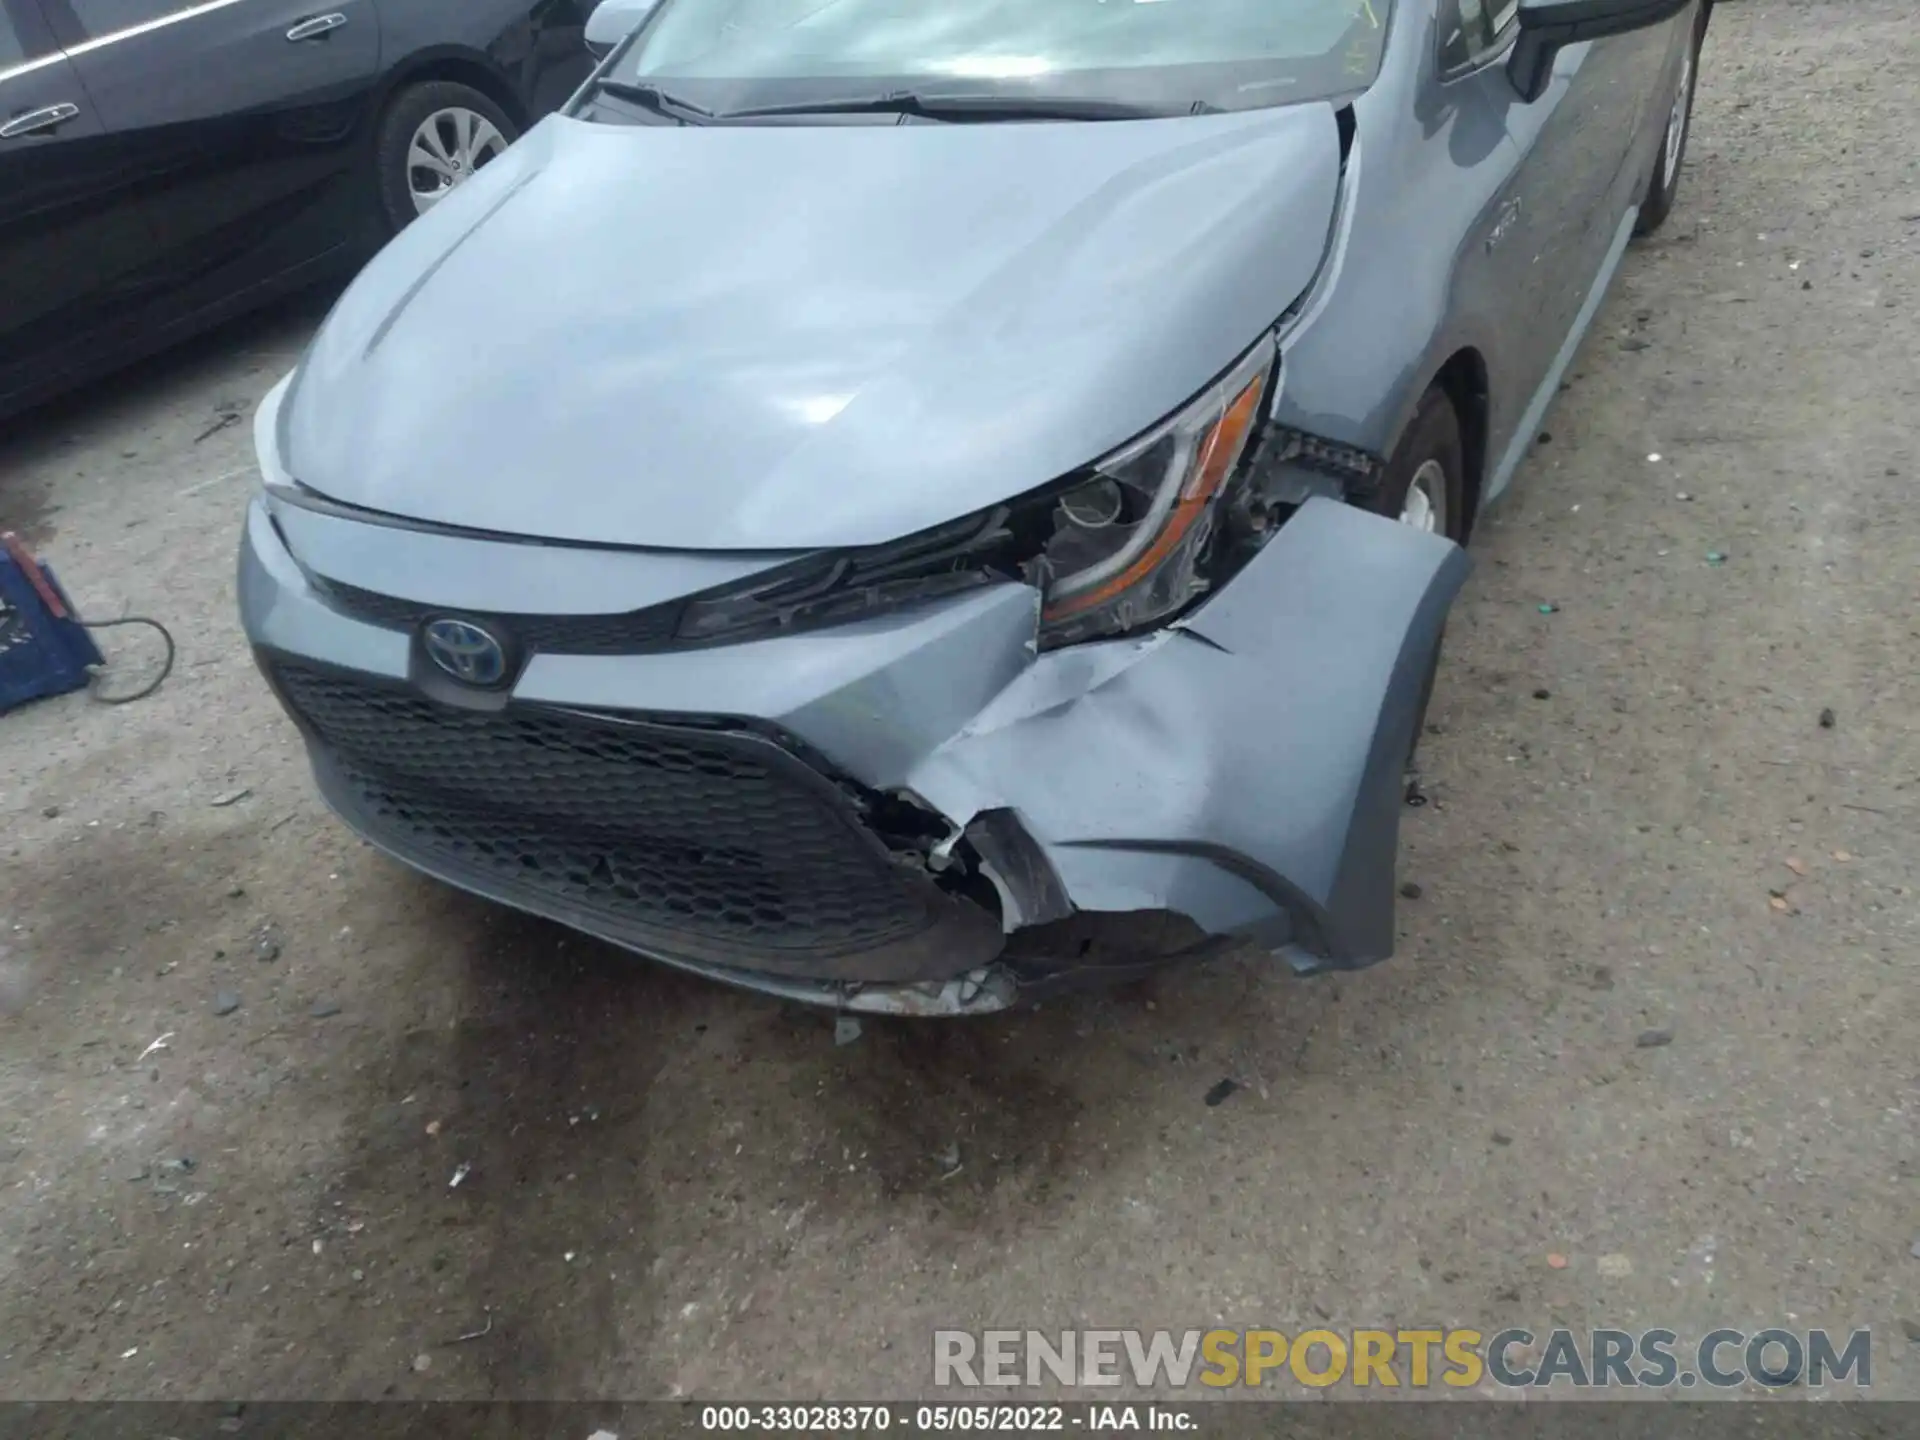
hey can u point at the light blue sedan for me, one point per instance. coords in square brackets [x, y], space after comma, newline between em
[909, 504]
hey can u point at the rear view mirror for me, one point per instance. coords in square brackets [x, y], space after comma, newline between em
[1548, 26]
[612, 21]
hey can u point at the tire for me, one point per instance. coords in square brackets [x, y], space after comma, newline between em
[1664, 187]
[1429, 462]
[1424, 483]
[457, 112]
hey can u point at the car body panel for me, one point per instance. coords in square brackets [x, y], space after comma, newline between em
[962, 314]
[1533, 194]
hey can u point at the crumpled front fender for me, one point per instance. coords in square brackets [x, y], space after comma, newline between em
[1243, 767]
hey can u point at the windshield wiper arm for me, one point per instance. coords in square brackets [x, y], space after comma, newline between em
[959, 107]
[652, 97]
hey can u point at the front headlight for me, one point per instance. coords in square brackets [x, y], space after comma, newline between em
[1129, 541]
[1126, 543]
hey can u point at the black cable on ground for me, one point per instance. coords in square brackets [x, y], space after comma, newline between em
[166, 666]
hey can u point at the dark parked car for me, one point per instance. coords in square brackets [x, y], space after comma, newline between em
[165, 164]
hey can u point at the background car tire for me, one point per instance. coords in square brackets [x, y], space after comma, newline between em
[1664, 188]
[406, 119]
[1424, 485]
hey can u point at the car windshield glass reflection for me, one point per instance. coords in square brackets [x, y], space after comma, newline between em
[1162, 56]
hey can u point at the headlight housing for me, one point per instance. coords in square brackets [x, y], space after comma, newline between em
[1129, 540]
[1119, 546]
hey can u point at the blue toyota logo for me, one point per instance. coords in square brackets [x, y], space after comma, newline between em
[468, 652]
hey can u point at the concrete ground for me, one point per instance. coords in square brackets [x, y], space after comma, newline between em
[1638, 822]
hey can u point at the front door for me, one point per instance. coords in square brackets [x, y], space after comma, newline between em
[1560, 215]
[70, 228]
[247, 120]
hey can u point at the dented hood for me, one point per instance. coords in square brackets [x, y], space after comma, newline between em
[782, 337]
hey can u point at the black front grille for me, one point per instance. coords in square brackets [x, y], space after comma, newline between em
[630, 633]
[715, 844]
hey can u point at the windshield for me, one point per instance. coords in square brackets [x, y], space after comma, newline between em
[1170, 56]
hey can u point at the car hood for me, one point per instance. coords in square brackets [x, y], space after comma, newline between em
[786, 337]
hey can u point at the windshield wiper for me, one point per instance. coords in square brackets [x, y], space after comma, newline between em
[652, 97]
[960, 107]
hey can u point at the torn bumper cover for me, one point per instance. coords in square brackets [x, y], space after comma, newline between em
[862, 816]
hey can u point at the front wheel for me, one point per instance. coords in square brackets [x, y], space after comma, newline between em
[1664, 188]
[433, 138]
[1424, 482]
[1424, 485]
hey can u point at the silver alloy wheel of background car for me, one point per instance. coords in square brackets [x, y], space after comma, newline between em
[445, 151]
[1425, 507]
[1677, 120]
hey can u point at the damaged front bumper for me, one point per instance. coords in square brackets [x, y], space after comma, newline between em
[915, 813]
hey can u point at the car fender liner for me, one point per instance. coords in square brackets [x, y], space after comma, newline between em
[1243, 767]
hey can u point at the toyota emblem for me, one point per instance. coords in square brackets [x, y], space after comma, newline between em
[470, 653]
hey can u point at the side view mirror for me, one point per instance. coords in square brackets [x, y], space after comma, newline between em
[612, 21]
[1548, 26]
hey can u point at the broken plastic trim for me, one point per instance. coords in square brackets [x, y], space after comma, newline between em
[991, 861]
[1348, 463]
[981, 991]
[1028, 888]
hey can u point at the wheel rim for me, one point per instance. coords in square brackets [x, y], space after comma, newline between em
[1677, 121]
[446, 150]
[1425, 507]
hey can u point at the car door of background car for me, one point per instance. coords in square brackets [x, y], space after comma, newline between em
[243, 116]
[70, 231]
[1557, 218]
[538, 47]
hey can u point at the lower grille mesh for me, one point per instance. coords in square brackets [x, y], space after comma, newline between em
[717, 839]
